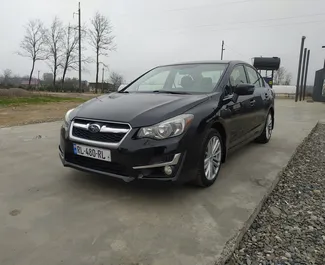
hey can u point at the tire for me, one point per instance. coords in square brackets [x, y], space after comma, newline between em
[267, 131]
[202, 179]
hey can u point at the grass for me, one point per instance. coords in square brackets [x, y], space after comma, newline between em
[16, 101]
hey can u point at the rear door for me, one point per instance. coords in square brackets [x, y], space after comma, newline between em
[236, 114]
[257, 104]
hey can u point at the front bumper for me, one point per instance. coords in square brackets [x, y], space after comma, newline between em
[133, 159]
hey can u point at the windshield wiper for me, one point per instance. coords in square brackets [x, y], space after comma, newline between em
[170, 92]
[123, 92]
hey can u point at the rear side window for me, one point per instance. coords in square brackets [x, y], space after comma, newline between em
[238, 76]
[207, 78]
[253, 76]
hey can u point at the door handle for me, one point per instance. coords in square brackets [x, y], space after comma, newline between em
[252, 102]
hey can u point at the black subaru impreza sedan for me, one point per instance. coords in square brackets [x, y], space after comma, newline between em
[174, 123]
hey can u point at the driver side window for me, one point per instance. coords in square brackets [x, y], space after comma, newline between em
[238, 76]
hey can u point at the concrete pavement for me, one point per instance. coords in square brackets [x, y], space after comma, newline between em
[55, 215]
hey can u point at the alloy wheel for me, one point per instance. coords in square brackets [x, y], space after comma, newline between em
[212, 158]
[269, 126]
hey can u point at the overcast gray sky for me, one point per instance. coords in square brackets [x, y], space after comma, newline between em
[151, 32]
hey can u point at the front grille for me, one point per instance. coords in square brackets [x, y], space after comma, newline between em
[100, 137]
[107, 123]
[104, 166]
[110, 132]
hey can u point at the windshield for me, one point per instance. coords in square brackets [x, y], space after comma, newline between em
[186, 78]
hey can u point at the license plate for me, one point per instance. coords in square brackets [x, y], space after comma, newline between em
[92, 152]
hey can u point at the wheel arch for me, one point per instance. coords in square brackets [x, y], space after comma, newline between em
[221, 129]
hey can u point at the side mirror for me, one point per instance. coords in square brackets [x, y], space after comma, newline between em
[244, 89]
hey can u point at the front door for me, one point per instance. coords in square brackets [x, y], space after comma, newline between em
[237, 113]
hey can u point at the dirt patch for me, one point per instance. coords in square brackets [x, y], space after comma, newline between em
[26, 114]
[14, 92]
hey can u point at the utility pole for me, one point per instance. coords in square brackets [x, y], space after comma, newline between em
[306, 73]
[299, 67]
[103, 80]
[324, 59]
[303, 75]
[79, 13]
[222, 49]
[38, 83]
[79, 30]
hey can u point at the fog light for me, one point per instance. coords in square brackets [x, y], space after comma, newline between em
[168, 170]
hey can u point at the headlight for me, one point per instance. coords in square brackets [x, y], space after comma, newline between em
[166, 129]
[67, 118]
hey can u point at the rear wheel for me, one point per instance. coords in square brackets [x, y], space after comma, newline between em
[210, 158]
[268, 129]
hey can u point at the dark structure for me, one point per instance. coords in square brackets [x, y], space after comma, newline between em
[269, 65]
[299, 66]
[105, 87]
[306, 74]
[319, 86]
[303, 74]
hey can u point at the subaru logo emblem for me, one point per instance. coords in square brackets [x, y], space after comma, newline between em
[94, 128]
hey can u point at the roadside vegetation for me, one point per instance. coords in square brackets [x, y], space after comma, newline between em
[20, 107]
[14, 101]
[15, 97]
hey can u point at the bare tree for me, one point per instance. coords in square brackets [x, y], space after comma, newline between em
[33, 44]
[287, 80]
[70, 56]
[282, 77]
[5, 78]
[54, 42]
[101, 39]
[7, 73]
[116, 80]
[279, 76]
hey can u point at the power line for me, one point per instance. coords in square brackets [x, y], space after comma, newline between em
[238, 53]
[277, 25]
[259, 26]
[194, 7]
[209, 6]
[253, 21]
[233, 50]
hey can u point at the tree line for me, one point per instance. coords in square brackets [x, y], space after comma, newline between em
[282, 77]
[58, 45]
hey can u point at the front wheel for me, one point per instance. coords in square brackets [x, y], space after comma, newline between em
[268, 129]
[210, 159]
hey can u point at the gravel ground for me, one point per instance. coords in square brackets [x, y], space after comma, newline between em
[290, 228]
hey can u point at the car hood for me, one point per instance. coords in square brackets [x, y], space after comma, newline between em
[137, 109]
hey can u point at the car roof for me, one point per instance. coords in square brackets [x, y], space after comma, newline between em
[231, 62]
